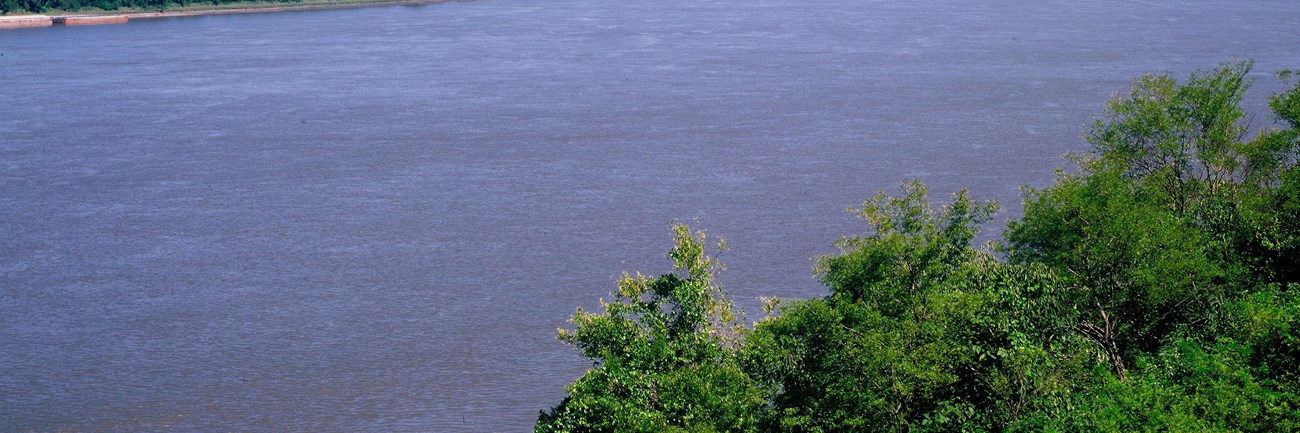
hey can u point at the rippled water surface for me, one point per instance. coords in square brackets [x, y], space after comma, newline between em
[373, 220]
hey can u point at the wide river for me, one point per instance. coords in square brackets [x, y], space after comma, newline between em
[373, 220]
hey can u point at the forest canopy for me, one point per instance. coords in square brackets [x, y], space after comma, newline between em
[1151, 287]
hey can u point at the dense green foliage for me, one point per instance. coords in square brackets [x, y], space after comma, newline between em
[43, 6]
[1153, 287]
[665, 353]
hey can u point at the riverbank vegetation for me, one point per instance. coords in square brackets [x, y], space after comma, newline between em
[169, 6]
[1154, 286]
[49, 6]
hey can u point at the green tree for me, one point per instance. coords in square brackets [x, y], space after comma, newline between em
[664, 355]
[1162, 222]
[1179, 233]
[1152, 289]
[921, 332]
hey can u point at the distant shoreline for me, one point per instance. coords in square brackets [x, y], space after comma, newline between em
[238, 8]
[124, 15]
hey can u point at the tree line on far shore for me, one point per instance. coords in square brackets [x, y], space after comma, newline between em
[46, 6]
[1155, 286]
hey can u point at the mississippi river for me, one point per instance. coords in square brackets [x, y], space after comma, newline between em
[373, 220]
